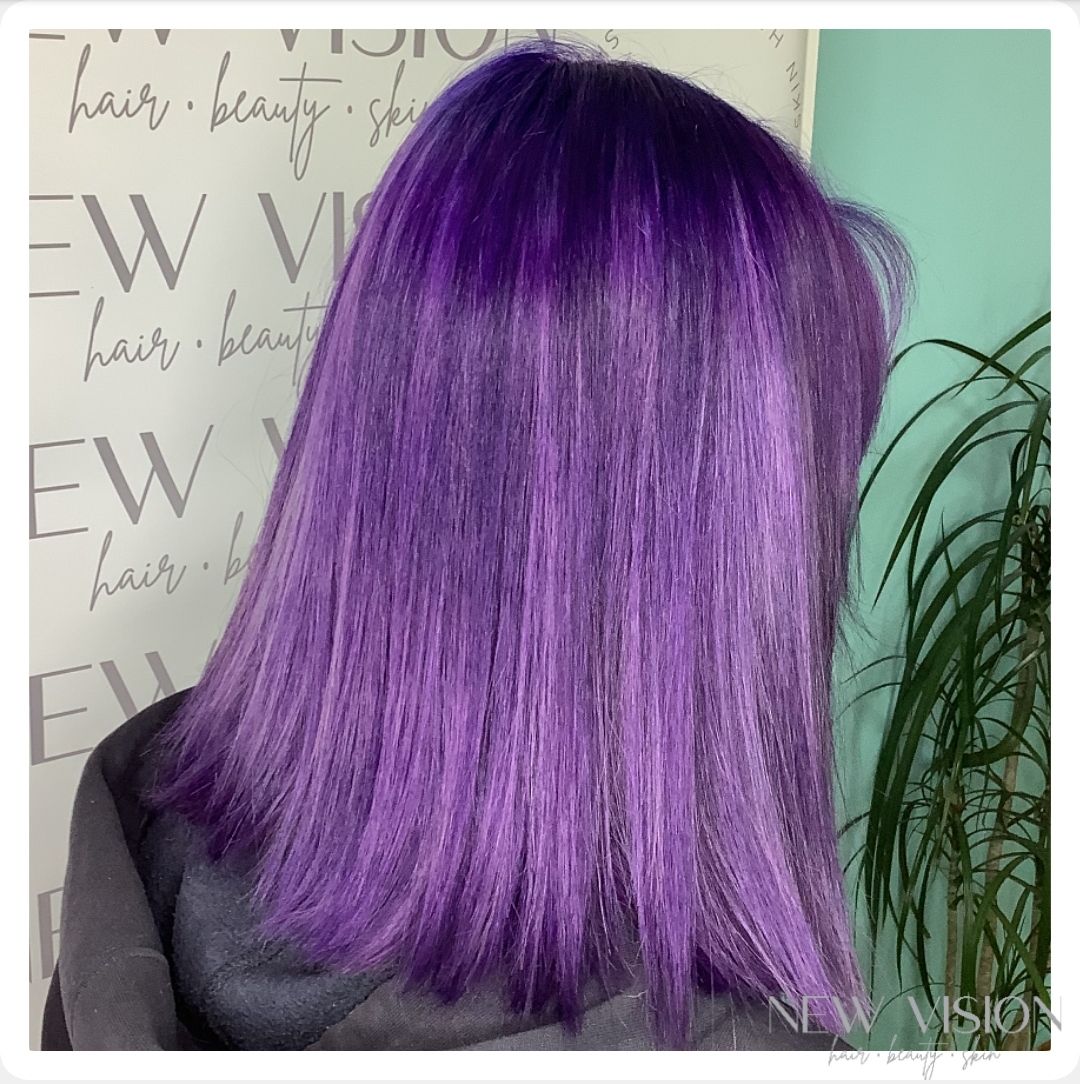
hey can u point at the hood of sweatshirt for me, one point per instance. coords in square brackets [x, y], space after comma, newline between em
[159, 950]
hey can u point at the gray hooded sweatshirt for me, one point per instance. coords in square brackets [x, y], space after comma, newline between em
[159, 950]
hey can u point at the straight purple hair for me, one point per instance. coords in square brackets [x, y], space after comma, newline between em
[529, 675]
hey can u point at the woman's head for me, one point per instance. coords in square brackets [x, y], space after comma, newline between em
[529, 674]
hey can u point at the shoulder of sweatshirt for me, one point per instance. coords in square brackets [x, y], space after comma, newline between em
[111, 988]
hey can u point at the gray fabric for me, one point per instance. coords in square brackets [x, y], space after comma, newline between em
[112, 988]
[391, 1020]
[252, 993]
[159, 950]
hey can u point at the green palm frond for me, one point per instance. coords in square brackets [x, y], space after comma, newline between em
[960, 798]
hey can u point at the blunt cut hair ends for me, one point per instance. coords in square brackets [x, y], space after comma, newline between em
[528, 680]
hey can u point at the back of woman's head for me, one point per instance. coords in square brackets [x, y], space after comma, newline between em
[528, 679]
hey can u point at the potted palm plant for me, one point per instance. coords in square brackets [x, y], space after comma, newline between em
[954, 850]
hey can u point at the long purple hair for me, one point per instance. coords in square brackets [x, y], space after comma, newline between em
[529, 676]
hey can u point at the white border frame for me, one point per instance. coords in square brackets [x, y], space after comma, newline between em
[23, 16]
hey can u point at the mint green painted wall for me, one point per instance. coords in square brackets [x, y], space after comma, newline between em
[948, 133]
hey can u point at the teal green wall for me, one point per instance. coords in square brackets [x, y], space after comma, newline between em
[948, 133]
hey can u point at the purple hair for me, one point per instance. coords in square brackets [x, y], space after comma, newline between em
[529, 675]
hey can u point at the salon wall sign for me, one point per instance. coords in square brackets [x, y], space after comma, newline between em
[192, 195]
